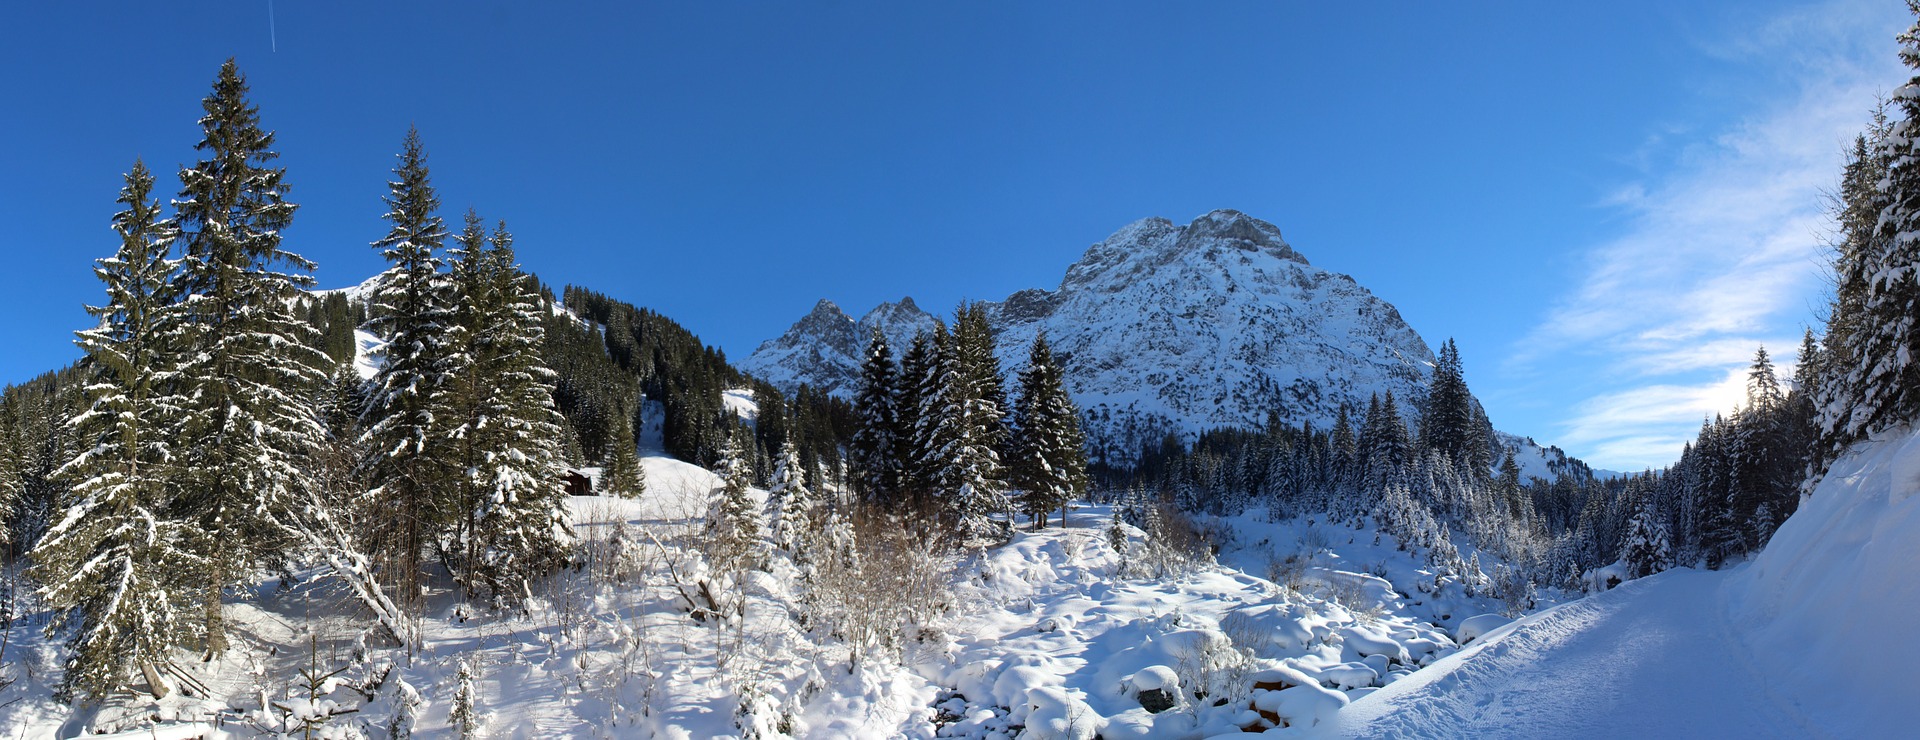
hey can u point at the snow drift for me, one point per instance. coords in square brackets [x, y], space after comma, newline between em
[1828, 609]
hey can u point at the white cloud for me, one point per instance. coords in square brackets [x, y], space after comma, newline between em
[1722, 252]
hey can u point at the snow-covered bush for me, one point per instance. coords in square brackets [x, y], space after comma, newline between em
[1173, 545]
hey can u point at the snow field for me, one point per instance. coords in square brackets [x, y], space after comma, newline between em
[1048, 636]
[1057, 640]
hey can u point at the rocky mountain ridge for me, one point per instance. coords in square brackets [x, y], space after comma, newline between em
[1165, 329]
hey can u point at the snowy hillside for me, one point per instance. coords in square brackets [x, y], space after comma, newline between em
[1168, 328]
[1544, 462]
[1813, 638]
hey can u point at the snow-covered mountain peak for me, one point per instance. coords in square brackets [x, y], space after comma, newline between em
[826, 320]
[1164, 328]
[824, 348]
[895, 313]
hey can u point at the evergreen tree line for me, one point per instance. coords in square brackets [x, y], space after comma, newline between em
[1424, 482]
[217, 428]
[935, 437]
[1865, 368]
[1428, 483]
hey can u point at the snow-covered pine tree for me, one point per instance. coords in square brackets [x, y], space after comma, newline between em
[1507, 488]
[414, 459]
[112, 566]
[875, 445]
[793, 503]
[1648, 548]
[735, 529]
[1810, 370]
[248, 363]
[1049, 465]
[523, 528]
[466, 397]
[465, 714]
[1857, 214]
[966, 430]
[1886, 356]
[12, 485]
[1450, 423]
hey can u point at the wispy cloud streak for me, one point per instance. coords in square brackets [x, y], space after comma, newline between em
[1722, 252]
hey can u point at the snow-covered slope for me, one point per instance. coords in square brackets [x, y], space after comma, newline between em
[1169, 328]
[1813, 638]
[1546, 462]
[1828, 609]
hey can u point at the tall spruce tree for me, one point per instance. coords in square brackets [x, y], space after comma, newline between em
[523, 529]
[793, 502]
[413, 463]
[876, 446]
[1049, 459]
[966, 430]
[12, 483]
[1882, 379]
[113, 566]
[1450, 423]
[917, 377]
[248, 365]
[467, 396]
[623, 476]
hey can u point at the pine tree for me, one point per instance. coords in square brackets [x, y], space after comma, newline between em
[624, 477]
[793, 502]
[1507, 488]
[248, 424]
[965, 430]
[1049, 462]
[734, 526]
[522, 523]
[414, 462]
[1648, 547]
[113, 564]
[465, 715]
[917, 379]
[1883, 379]
[876, 445]
[1858, 214]
[12, 483]
[466, 394]
[1450, 424]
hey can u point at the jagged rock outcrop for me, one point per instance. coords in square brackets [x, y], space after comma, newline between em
[824, 348]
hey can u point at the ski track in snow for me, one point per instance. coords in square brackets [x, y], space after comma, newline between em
[1653, 658]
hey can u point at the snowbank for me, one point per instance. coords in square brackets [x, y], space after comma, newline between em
[1829, 608]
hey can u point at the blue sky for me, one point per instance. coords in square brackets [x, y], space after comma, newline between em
[1608, 205]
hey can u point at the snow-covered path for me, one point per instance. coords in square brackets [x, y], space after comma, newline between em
[1653, 658]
